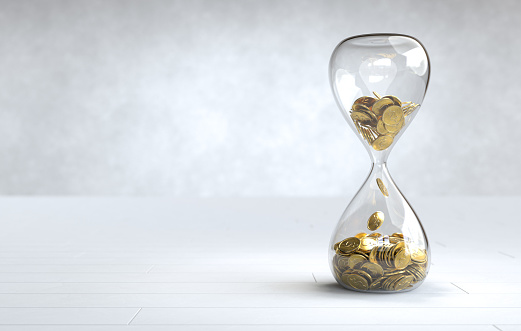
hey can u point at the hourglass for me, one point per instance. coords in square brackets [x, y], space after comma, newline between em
[379, 81]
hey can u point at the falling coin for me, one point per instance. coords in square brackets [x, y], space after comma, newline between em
[382, 187]
[375, 220]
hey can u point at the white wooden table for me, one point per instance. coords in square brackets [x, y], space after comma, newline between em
[243, 264]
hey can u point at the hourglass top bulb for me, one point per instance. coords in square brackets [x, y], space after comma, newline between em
[379, 82]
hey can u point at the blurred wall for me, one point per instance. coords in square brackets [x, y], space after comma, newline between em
[231, 98]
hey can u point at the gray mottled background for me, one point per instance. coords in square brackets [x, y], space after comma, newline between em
[231, 98]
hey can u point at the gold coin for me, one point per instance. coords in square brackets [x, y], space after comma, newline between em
[379, 258]
[387, 259]
[335, 259]
[366, 101]
[408, 108]
[343, 277]
[367, 243]
[382, 142]
[417, 254]
[382, 187]
[373, 254]
[375, 220]
[375, 235]
[349, 245]
[373, 117]
[376, 254]
[366, 134]
[361, 116]
[389, 273]
[399, 246]
[381, 129]
[416, 271]
[362, 273]
[392, 115]
[361, 235]
[338, 271]
[342, 262]
[358, 282]
[395, 240]
[364, 116]
[380, 105]
[387, 283]
[355, 259]
[402, 259]
[395, 100]
[378, 96]
[394, 281]
[377, 283]
[397, 234]
[394, 129]
[422, 264]
[360, 107]
[403, 283]
[373, 269]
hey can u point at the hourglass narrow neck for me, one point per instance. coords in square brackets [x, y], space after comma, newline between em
[379, 159]
[379, 168]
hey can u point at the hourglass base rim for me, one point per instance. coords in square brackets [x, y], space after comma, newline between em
[380, 291]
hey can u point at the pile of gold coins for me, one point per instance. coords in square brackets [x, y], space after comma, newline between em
[377, 262]
[380, 119]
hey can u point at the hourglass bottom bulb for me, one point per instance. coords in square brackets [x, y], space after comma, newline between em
[379, 263]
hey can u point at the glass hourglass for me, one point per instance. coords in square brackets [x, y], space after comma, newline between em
[379, 81]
